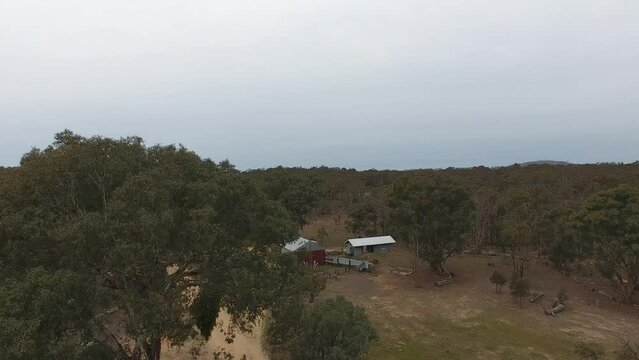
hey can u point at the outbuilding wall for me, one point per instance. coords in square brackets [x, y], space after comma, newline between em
[357, 251]
[361, 250]
[318, 256]
[348, 249]
[382, 249]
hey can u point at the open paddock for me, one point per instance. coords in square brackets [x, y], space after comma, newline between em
[468, 320]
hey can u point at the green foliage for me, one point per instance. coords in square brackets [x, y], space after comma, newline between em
[296, 283]
[525, 208]
[499, 279]
[567, 247]
[206, 308]
[369, 216]
[610, 221]
[295, 191]
[517, 233]
[148, 226]
[589, 351]
[435, 213]
[48, 315]
[284, 325]
[563, 253]
[315, 284]
[484, 219]
[519, 288]
[299, 200]
[363, 220]
[120, 212]
[334, 329]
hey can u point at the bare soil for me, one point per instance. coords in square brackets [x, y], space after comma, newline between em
[464, 320]
[249, 345]
[468, 319]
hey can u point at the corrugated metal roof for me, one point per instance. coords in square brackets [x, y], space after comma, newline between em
[302, 244]
[368, 241]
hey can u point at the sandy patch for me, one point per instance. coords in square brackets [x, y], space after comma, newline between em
[249, 345]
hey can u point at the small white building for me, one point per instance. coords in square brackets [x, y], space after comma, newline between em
[377, 245]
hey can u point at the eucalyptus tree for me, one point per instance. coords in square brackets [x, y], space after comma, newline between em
[162, 236]
[363, 220]
[609, 220]
[434, 213]
[334, 329]
[292, 187]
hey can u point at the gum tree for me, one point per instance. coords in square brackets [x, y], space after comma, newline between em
[610, 221]
[432, 213]
[167, 238]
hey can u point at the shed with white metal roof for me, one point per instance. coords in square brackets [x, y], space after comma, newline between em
[376, 244]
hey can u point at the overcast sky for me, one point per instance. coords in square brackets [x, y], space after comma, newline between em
[354, 83]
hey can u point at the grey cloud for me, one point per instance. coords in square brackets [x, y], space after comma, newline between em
[361, 84]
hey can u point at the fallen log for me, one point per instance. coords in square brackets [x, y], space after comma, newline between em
[444, 282]
[605, 294]
[556, 310]
[402, 271]
[535, 297]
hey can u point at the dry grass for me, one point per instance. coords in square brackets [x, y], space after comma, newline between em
[468, 320]
[465, 320]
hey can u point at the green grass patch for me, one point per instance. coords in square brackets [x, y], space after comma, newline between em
[491, 335]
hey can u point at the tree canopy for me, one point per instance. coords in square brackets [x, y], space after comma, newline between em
[334, 329]
[610, 220]
[48, 315]
[158, 234]
[435, 213]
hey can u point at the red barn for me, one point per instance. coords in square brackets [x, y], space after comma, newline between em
[306, 250]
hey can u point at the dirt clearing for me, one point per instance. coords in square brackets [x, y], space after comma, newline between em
[468, 320]
[249, 345]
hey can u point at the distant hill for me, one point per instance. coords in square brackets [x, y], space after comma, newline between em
[546, 162]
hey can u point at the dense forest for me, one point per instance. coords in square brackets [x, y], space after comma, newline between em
[93, 226]
[569, 214]
[550, 193]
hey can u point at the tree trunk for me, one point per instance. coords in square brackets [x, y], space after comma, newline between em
[628, 291]
[151, 347]
[156, 348]
[440, 268]
[136, 354]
